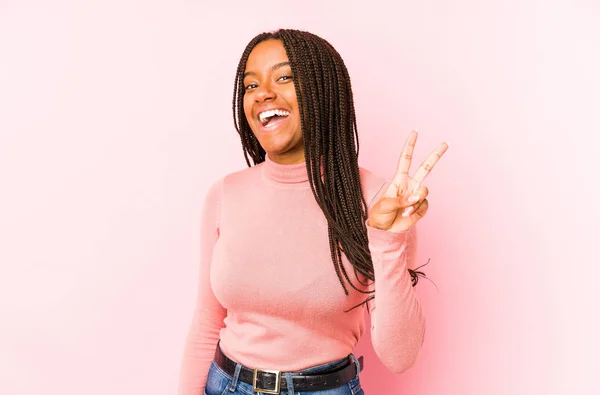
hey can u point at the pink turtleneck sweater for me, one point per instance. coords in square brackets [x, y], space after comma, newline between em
[268, 288]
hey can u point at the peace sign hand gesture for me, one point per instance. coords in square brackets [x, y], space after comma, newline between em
[404, 202]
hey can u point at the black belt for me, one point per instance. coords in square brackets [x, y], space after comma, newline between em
[272, 381]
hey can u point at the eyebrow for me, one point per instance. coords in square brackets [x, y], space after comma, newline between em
[273, 68]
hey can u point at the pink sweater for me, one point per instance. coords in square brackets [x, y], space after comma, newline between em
[268, 288]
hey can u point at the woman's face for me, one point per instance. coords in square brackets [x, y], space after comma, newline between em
[270, 103]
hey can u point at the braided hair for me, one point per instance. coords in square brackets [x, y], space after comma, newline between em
[330, 135]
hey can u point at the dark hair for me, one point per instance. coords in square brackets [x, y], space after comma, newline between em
[330, 134]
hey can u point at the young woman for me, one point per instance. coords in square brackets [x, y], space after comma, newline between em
[297, 245]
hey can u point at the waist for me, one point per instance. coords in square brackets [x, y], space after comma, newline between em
[297, 349]
[270, 381]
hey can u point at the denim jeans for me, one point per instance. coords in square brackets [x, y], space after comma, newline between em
[220, 383]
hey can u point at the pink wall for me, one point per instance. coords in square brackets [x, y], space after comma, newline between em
[115, 118]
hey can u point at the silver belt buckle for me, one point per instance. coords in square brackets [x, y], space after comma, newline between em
[277, 389]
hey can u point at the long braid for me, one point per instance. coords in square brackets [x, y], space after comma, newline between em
[330, 136]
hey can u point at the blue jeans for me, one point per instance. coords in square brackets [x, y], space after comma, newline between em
[220, 383]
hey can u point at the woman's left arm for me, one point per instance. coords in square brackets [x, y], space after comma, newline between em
[397, 321]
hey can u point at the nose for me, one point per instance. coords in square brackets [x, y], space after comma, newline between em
[264, 92]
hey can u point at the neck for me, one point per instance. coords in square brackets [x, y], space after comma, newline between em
[292, 173]
[289, 158]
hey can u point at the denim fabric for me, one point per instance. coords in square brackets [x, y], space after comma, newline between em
[220, 383]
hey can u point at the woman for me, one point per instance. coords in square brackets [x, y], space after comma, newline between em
[291, 246]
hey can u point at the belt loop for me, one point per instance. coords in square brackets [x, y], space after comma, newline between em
[356, 364]
[290, 382]
[236, 376]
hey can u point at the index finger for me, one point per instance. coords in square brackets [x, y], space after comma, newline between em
[428, 163]
[406, 157]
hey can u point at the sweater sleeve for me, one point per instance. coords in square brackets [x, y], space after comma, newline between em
[207, 322]
[397, 320]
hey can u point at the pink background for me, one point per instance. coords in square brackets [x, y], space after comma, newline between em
[115, 117]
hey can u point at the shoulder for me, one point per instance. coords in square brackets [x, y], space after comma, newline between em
[229, 184]
[212, 199]
[217, 191]
[248, 175]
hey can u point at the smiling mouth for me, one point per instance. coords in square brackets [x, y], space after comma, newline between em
[273, 123]
[271, 118]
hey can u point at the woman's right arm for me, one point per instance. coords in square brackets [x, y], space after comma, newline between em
[208, 319]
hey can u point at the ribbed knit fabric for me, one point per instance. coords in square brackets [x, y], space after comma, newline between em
[268, 288]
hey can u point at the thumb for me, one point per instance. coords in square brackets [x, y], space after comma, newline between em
[420, 211]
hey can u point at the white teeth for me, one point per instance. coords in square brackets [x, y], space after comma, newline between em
[271, 113]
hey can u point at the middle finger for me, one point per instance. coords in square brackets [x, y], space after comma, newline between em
[405, 157]
[428, 163]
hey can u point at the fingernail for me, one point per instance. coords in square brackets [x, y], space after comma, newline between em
[408, 211]
[413, 198]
